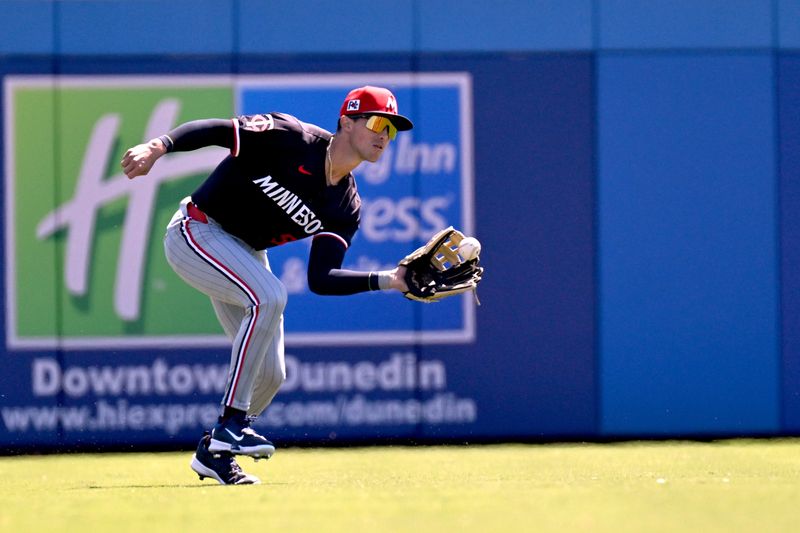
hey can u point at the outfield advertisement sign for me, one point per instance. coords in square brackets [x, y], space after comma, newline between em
[83, 250]
[104, 338]
[154, 398]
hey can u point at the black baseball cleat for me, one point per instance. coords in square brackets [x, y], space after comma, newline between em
[220, 466]
[239, 438]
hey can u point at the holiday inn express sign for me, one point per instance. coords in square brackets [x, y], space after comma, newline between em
[83, 244]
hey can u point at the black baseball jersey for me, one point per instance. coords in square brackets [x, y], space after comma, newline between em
[272, 188]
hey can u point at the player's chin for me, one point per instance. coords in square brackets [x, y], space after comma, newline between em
[375, 154]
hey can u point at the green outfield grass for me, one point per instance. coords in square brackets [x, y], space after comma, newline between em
[739, 485]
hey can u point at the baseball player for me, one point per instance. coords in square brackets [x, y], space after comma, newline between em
[284, 180]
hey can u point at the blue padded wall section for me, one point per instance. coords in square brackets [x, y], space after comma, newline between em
[145, 27]
[453, 25]
[26, 27]
[687, 237]
[789, 120]
[788, 23]
[684, 24]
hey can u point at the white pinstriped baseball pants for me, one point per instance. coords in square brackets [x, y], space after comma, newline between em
[248, 300]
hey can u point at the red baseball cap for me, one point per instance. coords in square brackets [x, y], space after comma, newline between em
[370, 100]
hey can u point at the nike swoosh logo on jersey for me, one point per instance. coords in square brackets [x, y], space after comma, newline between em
[302, 170]
[232, 434]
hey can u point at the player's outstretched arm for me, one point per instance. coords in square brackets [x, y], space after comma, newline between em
[139, 159]
[326, 275]
[192, 135]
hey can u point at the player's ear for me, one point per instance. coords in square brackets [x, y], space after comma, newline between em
[345, 123]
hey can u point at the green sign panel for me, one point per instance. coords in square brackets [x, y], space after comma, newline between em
[84, 254]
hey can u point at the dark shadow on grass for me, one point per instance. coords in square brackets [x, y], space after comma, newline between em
[112, 487]
[175, 486]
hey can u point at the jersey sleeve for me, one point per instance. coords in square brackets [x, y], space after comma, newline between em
[199, 134]
[343, 232]
[342, 214]
[258, 135]
[325, 273]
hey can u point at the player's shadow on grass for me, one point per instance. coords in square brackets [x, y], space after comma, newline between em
[175, 486]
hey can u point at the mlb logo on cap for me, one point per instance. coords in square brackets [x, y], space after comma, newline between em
[353, 105]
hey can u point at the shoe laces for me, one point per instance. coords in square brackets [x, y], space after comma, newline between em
[247, 427]
[236, 473]
[250, 431]
[235, 468]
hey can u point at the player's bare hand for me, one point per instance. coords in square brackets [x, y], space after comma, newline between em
[139, 159]
[399, 279]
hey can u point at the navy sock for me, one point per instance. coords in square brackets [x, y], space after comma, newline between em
[236, 414]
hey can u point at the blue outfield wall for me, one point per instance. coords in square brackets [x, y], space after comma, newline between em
[634, 182]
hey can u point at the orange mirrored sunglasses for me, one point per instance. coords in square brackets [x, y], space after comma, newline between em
[378, 123]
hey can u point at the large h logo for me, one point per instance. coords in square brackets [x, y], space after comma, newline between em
[78, 216]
